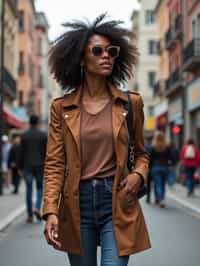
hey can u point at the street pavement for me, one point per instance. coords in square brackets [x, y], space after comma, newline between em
[174, 233]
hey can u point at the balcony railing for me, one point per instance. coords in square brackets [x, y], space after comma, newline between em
[174, 81]
[9, 84]
[191, 55]
[175, 32]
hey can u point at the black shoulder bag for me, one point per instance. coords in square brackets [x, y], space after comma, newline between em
[142, 192]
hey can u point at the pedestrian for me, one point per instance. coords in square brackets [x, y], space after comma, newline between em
[13, 162]
[31, 165]
[173, 163]
[159, 160]
[148, 147]
[190, 157]
[90, 197]
[5, 152]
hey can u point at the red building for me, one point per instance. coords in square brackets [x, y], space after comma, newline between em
[191, 67]
[175, 84]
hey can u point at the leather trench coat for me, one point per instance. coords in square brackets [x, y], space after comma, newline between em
[63, 167]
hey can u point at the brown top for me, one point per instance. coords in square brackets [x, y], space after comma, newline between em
[97, 145]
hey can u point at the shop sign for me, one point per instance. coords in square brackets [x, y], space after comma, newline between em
[150, 123]
[175, 109]
[193, 95]
[161, 108]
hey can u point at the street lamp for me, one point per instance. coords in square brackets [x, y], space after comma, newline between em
[1, 90]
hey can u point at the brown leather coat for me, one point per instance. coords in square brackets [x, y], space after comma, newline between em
[62, 173]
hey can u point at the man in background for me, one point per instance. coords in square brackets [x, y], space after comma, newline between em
[31, 165]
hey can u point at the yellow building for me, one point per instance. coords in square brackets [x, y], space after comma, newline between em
[162, 19]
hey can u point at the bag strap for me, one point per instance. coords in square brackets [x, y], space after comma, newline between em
[130, 119]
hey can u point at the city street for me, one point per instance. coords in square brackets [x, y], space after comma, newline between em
[174, 233]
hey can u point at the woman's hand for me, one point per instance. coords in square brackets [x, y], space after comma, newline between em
[131, 183]
[51, 231]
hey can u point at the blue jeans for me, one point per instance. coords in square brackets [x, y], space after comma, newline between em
[96, 225]
[159, 175]
[190, 183]
[31, 173]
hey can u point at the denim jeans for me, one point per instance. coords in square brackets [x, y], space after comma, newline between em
[96, 225]
[159, 175]
[31, 173]
[190, 183]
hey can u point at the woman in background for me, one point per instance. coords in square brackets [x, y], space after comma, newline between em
[160, 157]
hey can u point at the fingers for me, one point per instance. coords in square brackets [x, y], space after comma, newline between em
[51, 235]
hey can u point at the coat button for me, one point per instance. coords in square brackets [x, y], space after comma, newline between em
[66, 116]
[124, 114]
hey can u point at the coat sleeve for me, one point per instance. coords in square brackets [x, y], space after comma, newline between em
[54, 163]
[141, 164]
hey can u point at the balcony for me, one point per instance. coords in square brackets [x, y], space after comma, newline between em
[9, 84]
[191, 56]
[174, 82]
[175, 32]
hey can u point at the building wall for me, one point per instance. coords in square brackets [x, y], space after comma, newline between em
[25, 42]
[162, 18]
[10, 23]
[147, 63]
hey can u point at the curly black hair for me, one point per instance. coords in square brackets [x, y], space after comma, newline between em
[67, 51]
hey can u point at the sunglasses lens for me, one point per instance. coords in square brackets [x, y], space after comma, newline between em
[113, 51]
[97, 50]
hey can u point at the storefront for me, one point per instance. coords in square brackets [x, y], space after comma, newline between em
[193, 106]
[175, 118]
[161, 115]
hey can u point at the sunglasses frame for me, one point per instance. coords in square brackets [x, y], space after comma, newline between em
[105, 49]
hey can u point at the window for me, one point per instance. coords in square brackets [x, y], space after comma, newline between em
[151, 110]
[21, 67]
[21, 98]
[194, 27]
[152, 79]
[198, 26]
[153, 47]
[149, 17]
[21, 21]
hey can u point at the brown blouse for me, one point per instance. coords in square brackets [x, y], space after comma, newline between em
[97, 144]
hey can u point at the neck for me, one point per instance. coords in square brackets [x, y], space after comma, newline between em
[95, 87]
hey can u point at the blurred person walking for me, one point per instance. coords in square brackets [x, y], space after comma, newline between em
[31, 165]
[5, 153]
[173, 161]
[148, 147]
[159, 160]
[90, 197]
[190, 157]
[13, 162]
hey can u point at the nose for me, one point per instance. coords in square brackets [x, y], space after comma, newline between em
[105, 54]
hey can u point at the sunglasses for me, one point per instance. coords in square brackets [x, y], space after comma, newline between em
[113, 51]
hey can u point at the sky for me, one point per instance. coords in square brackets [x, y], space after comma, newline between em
[60, 11]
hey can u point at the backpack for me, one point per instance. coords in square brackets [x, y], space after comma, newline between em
[189, 152]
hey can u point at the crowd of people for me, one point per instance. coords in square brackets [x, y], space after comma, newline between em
[164, 159]
[23, 158]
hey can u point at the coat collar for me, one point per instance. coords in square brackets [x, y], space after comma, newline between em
[74, 98]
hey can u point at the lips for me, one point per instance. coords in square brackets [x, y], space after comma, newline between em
[106, 64]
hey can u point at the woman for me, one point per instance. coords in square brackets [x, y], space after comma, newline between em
[89, 196]
[160, 157]
[190, 157]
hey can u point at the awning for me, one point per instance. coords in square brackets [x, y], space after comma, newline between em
[12, 120]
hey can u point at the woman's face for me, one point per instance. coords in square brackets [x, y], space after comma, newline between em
[100, 56]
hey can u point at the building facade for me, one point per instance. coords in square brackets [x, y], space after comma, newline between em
[147, 67]
[25, 52]
[161, 108]
[191, 68]
[9, 67]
